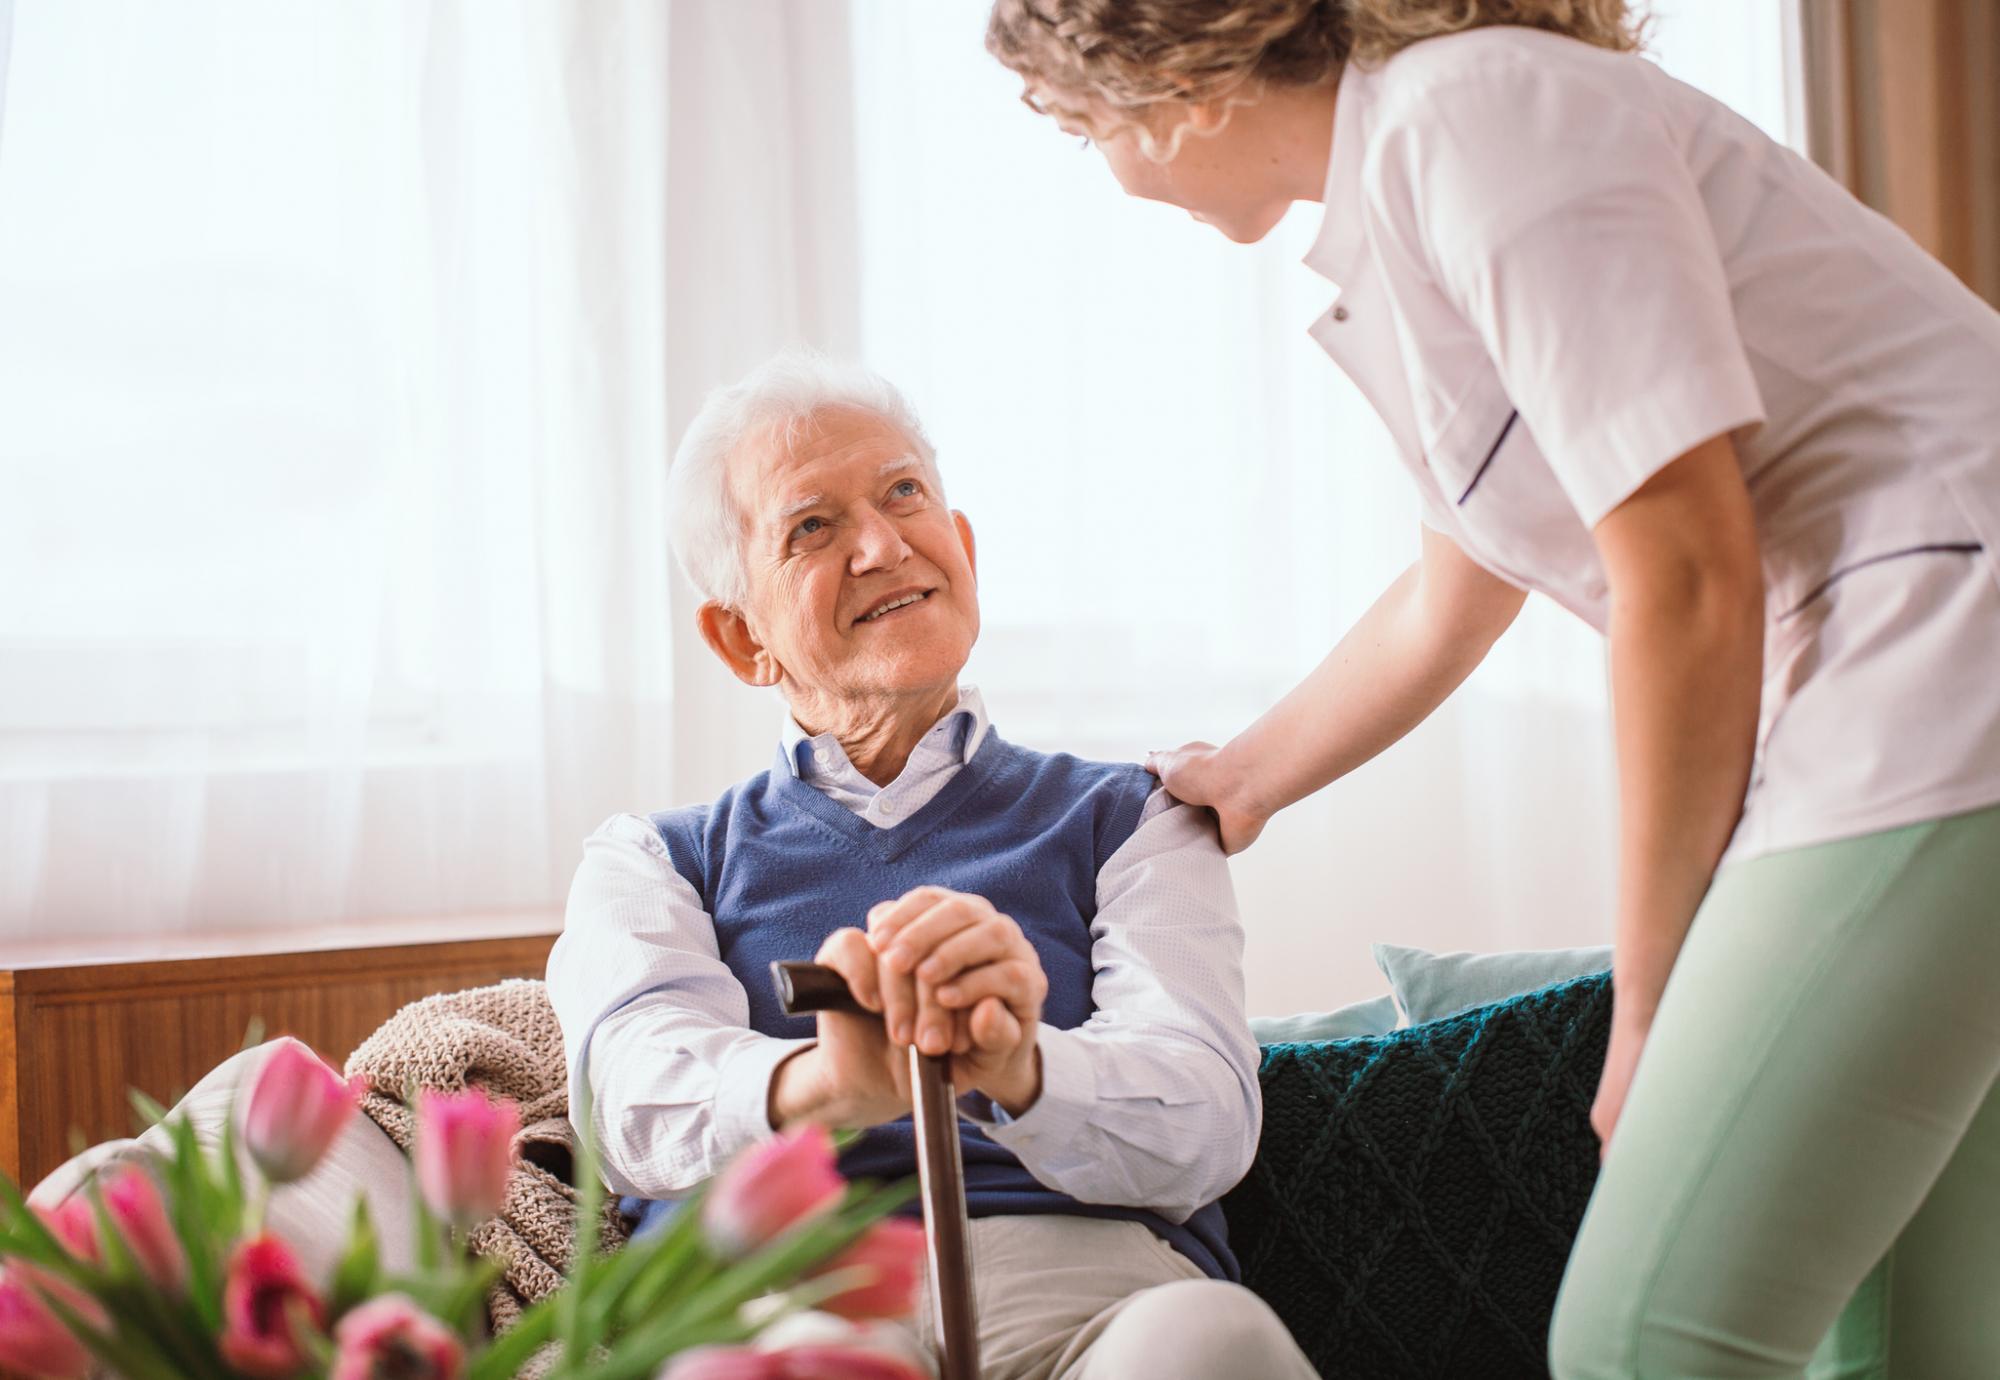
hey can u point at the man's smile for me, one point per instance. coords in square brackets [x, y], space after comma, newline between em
[901, 599]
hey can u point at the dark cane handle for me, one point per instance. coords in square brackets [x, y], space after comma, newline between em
[804, 988]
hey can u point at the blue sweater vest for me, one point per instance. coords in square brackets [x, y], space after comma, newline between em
[779, 867]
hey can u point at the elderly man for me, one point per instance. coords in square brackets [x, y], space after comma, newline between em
[1064, 928]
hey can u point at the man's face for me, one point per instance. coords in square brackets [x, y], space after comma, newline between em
[860, 581]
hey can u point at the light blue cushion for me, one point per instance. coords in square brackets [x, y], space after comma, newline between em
[1432, 986]
[1374, 1017]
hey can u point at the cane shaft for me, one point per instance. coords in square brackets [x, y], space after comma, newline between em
[941, 1174]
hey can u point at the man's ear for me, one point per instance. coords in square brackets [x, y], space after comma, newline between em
[964, 526]
[729, 635]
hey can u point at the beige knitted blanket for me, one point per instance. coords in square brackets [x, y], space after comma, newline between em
[504, 1039]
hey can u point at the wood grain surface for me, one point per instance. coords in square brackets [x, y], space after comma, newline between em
[75, 1037]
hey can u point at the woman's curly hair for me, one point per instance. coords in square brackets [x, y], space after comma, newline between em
[1101, 64]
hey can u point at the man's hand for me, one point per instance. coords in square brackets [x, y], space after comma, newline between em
[855, 1076]
[958, 977]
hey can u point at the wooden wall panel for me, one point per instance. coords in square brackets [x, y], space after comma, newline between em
[82, 1035]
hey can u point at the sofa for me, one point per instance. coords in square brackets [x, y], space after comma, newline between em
[1408, 1214]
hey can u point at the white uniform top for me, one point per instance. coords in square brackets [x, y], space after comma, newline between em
[1560, 269]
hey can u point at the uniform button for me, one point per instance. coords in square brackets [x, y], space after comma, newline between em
[1340, 313]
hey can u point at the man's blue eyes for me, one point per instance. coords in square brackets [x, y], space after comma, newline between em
[812, 526]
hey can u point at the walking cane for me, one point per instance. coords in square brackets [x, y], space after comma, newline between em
[810, 987]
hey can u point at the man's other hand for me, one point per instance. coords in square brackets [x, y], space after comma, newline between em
[956, 976]
[855, 1076]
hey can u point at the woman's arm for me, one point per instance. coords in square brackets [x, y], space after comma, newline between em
[1413, 647]
[1687, 650]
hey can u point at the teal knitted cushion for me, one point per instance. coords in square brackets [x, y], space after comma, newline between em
[1415, 1194]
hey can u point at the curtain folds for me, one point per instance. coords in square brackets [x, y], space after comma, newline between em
[341, 351]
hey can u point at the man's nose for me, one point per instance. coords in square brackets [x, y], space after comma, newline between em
[877, 545]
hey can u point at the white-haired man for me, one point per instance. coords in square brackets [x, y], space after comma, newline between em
[1065, 928]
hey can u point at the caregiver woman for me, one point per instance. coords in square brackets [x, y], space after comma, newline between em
[1640, 358]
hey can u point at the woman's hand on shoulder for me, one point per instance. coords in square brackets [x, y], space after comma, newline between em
[1206, 775]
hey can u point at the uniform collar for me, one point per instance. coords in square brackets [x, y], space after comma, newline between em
[959, 734]
[1336, 251]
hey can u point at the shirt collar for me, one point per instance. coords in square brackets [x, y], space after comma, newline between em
[1336, 250]
[959, 733]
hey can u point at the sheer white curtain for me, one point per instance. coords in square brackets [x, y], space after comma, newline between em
[331, 341]
[340, 351]
[1182, 504]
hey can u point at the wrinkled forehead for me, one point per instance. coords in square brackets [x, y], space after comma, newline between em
[783, 466]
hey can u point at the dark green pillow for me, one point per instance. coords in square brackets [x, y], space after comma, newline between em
[1415, 1194]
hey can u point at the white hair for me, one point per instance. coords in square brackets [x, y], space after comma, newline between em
[783, 392]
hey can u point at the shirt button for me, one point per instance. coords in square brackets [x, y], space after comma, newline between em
[885, 805]
[822, 756]
[1340, 313]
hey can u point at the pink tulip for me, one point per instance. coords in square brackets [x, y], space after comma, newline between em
[893, 1255]
[722, 1363]
[836, 1362]
[74, 1223]
[771, 1188]
[390, 1338]
[33, 1341]
[265, 1302]
[135, 1207]
[297, 1107]
[464, 1151]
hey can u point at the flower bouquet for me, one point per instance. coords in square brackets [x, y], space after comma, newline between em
[164, 1272]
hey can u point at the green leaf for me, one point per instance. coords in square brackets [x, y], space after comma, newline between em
[204, 1240]
[126, 1358]
[512, 1349]
[462, 1297]
[680, 1266]
[355, 1276]
[231, 1197]
[588, 1226]
[149, 1112]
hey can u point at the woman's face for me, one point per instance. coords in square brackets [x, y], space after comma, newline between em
[1219, 174]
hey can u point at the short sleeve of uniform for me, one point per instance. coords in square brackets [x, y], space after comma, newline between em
[1560, 220]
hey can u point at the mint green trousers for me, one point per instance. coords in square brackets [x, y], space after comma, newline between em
[1805, 1179]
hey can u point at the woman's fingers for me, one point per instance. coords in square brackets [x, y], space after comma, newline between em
[1180, 771]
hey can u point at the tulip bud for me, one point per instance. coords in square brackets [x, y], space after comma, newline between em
[74, 1223]
[464, 1152]
[297, 1107]
[265, 1301]
[892, 1254]
[33, 1340]
[133, 1203]
[771, 1188]
[390, 1338]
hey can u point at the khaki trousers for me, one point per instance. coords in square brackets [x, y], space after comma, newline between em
[1079, 1298]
